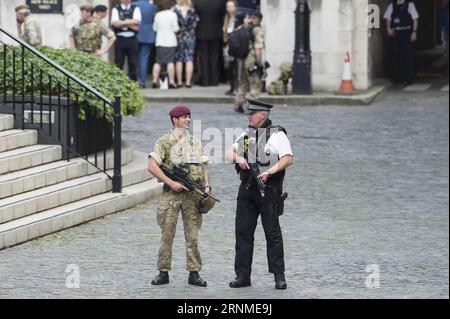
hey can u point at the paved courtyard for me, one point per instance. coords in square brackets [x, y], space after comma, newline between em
[368, 196]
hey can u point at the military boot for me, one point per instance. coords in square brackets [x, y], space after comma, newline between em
[280, 281]
[240, 282]
[239, 108]
[161, 279]
[196, 280]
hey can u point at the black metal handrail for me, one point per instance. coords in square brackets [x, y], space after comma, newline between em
[55, 106]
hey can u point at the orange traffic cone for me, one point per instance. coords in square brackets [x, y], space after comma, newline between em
[347, 82]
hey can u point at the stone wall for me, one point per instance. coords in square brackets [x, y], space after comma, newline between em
[378, 44]
[55, 27]
[337, 26]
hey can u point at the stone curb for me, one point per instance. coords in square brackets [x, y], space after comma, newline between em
[361, 98]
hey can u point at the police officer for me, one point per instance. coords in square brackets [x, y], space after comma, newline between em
[249, 69]
[179, 147]
[125, 19]
[28, 28]
[402, 21]
[87, 36]
[266, 146]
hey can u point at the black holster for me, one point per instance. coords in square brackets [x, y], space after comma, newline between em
[279, 204]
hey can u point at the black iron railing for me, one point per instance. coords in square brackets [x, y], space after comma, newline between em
[54, 105]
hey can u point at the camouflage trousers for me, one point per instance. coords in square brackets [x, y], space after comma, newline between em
[169, 206]
[247, 82]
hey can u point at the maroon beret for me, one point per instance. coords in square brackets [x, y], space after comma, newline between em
[179, 111]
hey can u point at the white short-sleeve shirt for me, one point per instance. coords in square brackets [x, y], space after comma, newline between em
[278, 144]
[166, 26]
[411, 10]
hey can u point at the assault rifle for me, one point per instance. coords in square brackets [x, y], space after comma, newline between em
[179, 175]
[254, 173]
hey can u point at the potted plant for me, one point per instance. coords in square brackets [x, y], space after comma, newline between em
[46, 93]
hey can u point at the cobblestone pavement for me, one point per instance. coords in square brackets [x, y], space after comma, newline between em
[369, 187]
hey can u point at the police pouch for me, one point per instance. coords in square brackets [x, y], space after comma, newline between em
[279, 205]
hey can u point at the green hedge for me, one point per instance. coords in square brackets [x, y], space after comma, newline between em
[105, 77]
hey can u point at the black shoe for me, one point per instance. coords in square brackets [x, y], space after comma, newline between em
[240, 282]
[196, 280]
[239, 108]
[280, 281]
[161, 279]
[173, 86]
[154, 85]
[188, 86]
[142, 85]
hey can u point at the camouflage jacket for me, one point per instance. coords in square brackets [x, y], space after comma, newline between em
[30, 31]
[258, 42]
[187, 151]
[88, 35]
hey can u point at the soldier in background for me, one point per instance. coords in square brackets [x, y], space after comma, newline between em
[179, 147]
[87, 36]
[249, 69]
[280, 85]
[100, 11]
[28, 28]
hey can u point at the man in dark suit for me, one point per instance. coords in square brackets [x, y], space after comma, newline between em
[209, 39]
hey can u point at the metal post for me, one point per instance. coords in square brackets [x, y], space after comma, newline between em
[301, 78]
[117, 178]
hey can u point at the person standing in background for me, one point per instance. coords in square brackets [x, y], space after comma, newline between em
[146, 38]
[87, 37]
[249, 76]
[100, 12]
[231, 23]
[28, 28]
[187, 20]
[209, 39]
[166, 26]
[402, 23]
[125, 19]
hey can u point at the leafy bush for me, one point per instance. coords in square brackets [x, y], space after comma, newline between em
[105, 77]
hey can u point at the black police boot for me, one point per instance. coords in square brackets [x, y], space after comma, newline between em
[161, 279]
[280, 281]
[196, 280]
[240, 282]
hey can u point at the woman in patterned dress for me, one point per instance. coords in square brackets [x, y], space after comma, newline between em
[187, 20]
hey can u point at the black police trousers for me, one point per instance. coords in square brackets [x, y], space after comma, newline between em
[401, 58]
[127, 47]
[250, 205]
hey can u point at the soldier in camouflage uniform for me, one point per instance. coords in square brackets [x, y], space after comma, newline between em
[280, 85]
[178, 147]
[28, 28]
[251, 81]
[87, 36]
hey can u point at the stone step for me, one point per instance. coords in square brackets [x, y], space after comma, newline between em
[25, 204]
[29, 156]
[56, 172]
[6, 122]
[126, 157]
[70, 215]
[12, 139]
